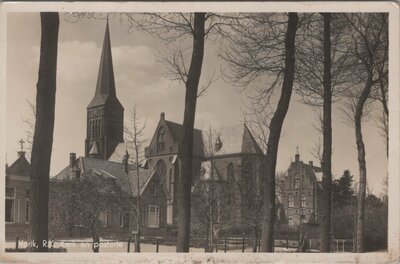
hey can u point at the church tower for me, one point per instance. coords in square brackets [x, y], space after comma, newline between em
[105, 114]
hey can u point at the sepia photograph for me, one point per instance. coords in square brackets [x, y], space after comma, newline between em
[200, 130]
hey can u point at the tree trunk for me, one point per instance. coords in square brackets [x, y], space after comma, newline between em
[268, 208]
[185, 181]
[361, 165]
[385, 117]
[43, 136]
[137, 240]
[326, 224]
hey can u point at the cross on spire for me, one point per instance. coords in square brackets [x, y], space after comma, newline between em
[21, 142]
[297, 149]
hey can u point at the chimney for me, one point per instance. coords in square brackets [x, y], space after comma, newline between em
[162, 115]
[311, 164]
[218, 144]
[125, 161]
[72, 159]
[76, 172]
[297, 157]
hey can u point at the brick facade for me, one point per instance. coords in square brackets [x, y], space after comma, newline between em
[301, 192]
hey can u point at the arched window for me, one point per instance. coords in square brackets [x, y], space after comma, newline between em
[249, 170]
[161, 139]
[230, 173]
[91, 128]
[170, 183]
[96, 128]
[161, 170]
[100, 127]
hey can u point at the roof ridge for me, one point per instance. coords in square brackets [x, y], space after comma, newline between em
[179, 124]
[104, 160]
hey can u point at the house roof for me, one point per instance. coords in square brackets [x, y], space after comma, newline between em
[94, 167]
[20, 167]
[144, 178]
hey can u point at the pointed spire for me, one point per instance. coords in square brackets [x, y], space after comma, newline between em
[105, 87]
[105, 79]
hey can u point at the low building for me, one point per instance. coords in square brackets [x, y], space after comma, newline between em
[17, 197]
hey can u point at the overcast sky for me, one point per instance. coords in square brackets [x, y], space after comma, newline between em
[140, 78]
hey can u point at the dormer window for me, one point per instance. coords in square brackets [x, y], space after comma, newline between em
[161, 140]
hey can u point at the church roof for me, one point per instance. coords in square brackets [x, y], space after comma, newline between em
[105, 88]
[20, 167]
[235, 139]
[177, 133]
[119, 151]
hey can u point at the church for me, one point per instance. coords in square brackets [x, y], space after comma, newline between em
[223, 157]
[232, 152]
[227, 168]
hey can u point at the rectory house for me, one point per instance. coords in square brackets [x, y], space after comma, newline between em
[301, 192]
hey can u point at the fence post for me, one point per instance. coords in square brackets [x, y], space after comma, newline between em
[243, 242]
[16, 243]
[129, 245]
[225, 244]
[157, 244]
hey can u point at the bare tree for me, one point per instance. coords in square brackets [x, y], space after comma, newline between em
[322, 76]
[367, 32]
[43, 136]
[263, 46]
[135, 132]
[179, 27]
[326, 225]
[381, 92]
[82, 201]
[30, 127]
